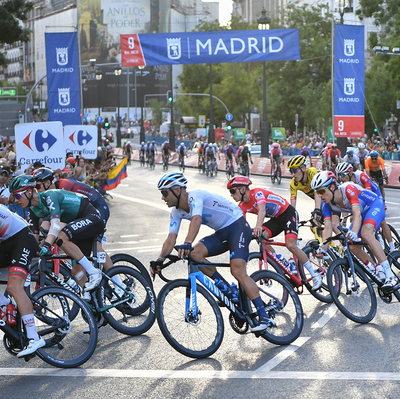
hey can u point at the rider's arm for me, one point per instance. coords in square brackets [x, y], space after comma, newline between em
[357, 219]
[261, 211]
[168, 245]
[293, 193]
[194, 228]
[55, 228]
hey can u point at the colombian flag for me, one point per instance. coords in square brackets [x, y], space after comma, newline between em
[115, 175]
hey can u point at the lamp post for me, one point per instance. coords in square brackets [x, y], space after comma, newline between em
[117, 72]
[99, 76]
[263, 24]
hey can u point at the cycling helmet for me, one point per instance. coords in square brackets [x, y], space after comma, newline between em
[276, 145]
[296, 161]
[329, 145]
[323, 179]
[42, 174]
[238, 181]
[182, 144]
[142, 142]
[334, 145]
[374, 154]
[361, 146]
[21, 183]
[350, 153]
[344, 167]
[153, 142]
[170, 180]
[241, 148]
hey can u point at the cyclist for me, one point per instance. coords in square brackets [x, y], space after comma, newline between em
[17, 247]
[375, 169]
[229, 152]
[232, 233]
[283, 217]
[306, 153]
[345, 173]
[165, 149]
[200, 154]
[147, 150]
[142, 150]
[362, 154]
[153, 151]
[182, 153]
[84, 222]
[128, 151]
[209, 155]
[334, 156]
[367, 210]
[276, 156]
[325, 156]
[245, 155]
[352, 159]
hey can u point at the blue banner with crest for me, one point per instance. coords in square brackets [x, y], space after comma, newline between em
[349, 70]
[63, 77]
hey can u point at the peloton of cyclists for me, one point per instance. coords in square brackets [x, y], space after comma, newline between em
[334, 156]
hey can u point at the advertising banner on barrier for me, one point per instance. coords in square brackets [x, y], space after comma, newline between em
[349, 81]
[40, 142]
[278, 133]
[210, 47]
[81, 139]
[63, 77]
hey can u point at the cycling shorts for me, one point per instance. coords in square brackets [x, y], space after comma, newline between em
[373, 216]
[85, 228]
[18, 250]
[288, 221]
[377, 175]
[236, 238]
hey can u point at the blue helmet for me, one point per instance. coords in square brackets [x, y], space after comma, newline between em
[374, 154]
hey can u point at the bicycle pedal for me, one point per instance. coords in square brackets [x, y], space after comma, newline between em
[29, 357]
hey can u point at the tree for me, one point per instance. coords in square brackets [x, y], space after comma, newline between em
[12, 13]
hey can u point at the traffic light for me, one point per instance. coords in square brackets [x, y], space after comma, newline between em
[228, 126]
[106, 124]
[169, 96]
[375, 130]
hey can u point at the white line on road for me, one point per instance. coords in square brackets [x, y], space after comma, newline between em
[130, 235]
[331, 311]
[200, 374]
[161, 207]
[281, 356]
[393, 217]
[132, 248]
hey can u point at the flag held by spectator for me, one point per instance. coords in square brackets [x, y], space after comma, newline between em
[115, 175]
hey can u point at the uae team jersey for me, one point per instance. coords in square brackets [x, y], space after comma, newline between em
[216, 211]
[352, 195]
[10, 223]
[274, 204]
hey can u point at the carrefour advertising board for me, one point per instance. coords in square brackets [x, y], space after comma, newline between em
[81, 139]
[43, 142]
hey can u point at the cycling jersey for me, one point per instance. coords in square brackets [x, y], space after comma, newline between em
[245, 155]
[216, 211]
[363, 180]
[362, 156]
[10, 223]
[274, 204]
[182, 150]
[374, 166]
[166, 148]
[334, 153]
[142, 148]
[276, 152]
[353, 161]
[305, 188]
[152, 148]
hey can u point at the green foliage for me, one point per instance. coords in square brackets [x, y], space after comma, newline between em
[157, 109]
[12, 12]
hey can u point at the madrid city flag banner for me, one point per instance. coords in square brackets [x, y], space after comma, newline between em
[210, 47]
[349, 81]
[63, 77]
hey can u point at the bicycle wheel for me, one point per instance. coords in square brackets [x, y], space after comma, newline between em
[394, 260]
[282, 305]
[278, 175]
[358, 304]
[395, 237]
[256, 263]
[131, 261]
[196, 337]
[321, 266]
[273, 177]
[66, 346]
[137, 314]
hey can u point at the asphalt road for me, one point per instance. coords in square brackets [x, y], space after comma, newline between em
[333, 357]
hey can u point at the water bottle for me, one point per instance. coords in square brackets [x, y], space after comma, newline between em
[221, 285]
[74, 285]
[233, 293]
[293, 267]
[11, 311]
[283, 260]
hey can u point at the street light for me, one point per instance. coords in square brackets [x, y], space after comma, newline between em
[117, 72]
[263, 24]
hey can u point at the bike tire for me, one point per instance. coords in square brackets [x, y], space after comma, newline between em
[131, 317]
[395, 237]
[283, 306]
[68, 347]
[131, 261]
[199, 338]
[360, 307]
[278, 175]
[394, 260]
[322, 294]
[273, 178]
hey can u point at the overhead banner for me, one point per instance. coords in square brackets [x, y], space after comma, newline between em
[210, 47]
[81, 140]
[63, 77]
[349, 81]
[40, 142]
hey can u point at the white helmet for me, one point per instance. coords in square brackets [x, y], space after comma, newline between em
[170, 180]
[361, 145]
[142, 142]
[323, 179]
[344, 167]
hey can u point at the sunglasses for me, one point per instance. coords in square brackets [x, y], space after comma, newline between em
[164, 193]
[18, 196]
[232, 190]
[374, 159]
[342, 174]
[321, 191]
[294, 170]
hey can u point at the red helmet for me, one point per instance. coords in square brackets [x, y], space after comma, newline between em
[238, 181]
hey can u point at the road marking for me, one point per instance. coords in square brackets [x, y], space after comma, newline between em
[130, 235]
[143, 202]
[393, 217]
[200, 374]
[392, 203]
[132, 248]
[283, 355]
[331, 311]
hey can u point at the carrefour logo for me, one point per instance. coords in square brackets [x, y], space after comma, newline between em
[36, 140]
[81, 137]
